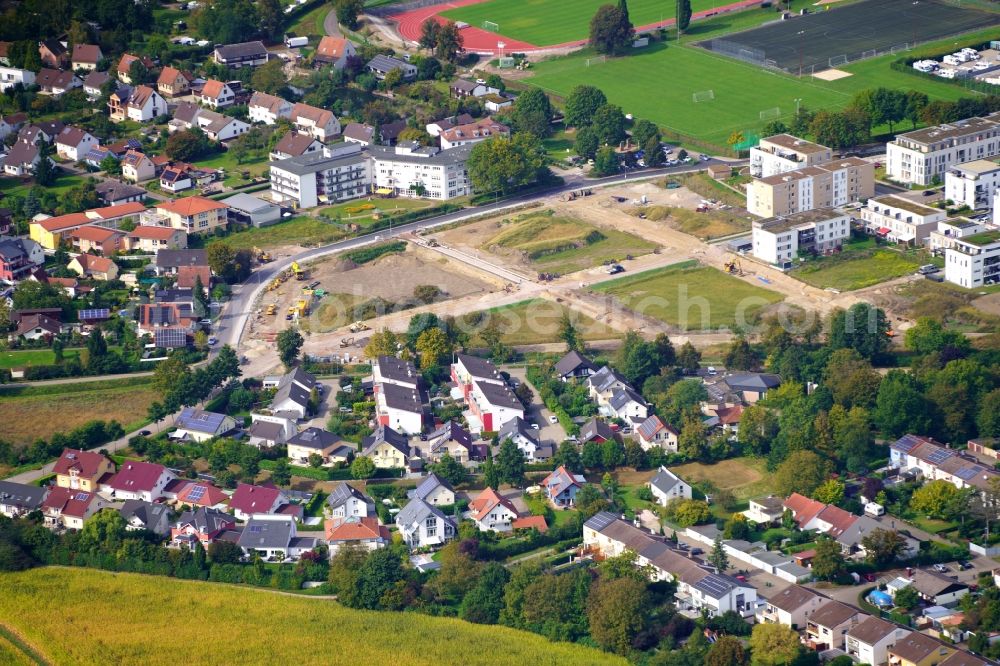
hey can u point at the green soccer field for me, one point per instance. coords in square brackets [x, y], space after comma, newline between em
[545, 22]
[669, 76]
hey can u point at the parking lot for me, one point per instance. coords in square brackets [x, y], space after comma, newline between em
[536, 412]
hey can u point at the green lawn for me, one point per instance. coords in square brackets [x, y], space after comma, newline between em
[669, 75]
[27, 357]
[746, 477]
[304, 230]
[362, 213]
[536, 321]
[255, 164]
[858, 268]
[544, 22]
[311, 24]
[690, 296]
[19, 187]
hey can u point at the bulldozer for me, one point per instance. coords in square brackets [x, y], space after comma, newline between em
[734, 266]
[346, 342]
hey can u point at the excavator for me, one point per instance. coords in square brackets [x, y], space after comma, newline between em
[734, 266]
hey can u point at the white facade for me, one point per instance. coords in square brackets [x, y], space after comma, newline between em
[948, 231]
[974, 261]
[338, 173]
[412, 171]
[268, 109]
[973, 184]
[780, 239]
[918, 157]
[11, 76]
[146, 108]
[901, 220]
[79, 151]
[667, 486]
[783, 153]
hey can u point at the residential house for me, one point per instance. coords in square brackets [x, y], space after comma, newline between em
[827, 627]
[245, 54]
[294, 145]
[73, 143]
[387, 448]
[217, 95]
[36, 327]
[12, 76]
[266, 434]
[249, 500]
[602, 384]
[191, 214]
[336, 173]
[175, 179]
[202, 525]
[765, 510]
[53, 53]
[411, 170]
[144, 104]
[49, 232]
[491, 403]
[21, 159]
[868, 642]
[274, 538]
[267, 109]
[219, 127]
[752, 386]
[94, 239]
[434, 490]
[153, 317]
[531, 523]
[320, 124]
[86, 57]
[333, 52]
[363, 532]
[964, 659]
[654, 432]
[596, 430]
[168, 262]
[200, 493]
[423, 525]
[792, 607]
[450, 438]
[140, 515]
[667, 486]
[200, 425]
[851, 540]
[294, 394]
[124, 69]
[69, 509]
[917, 649]
[118, 103]
[55, 82]
[81, 470]
[316, 441]
[464, 88]
[381, 65]
[94, 267]
[404, 409]
[973, 260]
[359, 133]
[781, 239]
[436, 127]
[345, 502]
[492, 511]
[626, 404]
[936, 589]
[394, 370]
[19, 257]
[136, 167]
[715, 594]
[93, 84]
[560, 487]
[472, 133]
[497, 102]
[829, 185]
[20, 499]
[173, 82]
[137, 479]
[932, 461]
[574, 365]
[526, 439]
[899, 219]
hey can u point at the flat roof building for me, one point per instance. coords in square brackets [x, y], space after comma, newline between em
[778, 240]
[921, 156]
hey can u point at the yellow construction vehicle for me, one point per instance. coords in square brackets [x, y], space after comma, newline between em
[271, 309]
[346, 342]
[300, 273]
[260, 255]
[734, 266]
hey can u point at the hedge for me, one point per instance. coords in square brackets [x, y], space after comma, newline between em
[364, 255]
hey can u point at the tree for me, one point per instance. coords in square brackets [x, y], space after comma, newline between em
[774, 127]
[111, 166]
[683, 15]
[637, 358]
[736, 138]
[610, 30]
[362, 468]
[988, 420]
[689, 512]
[586, 143]
[429, 30]
[348, 12]
[883, 546]
[900, 406]
[533, 113]
[726, 651]
[97, 348]
[449, 469]
[606, 162]
[933, 498]
[281, 475]
[188, 145]
[590, 455]
[168, 374]
[382, 343]
[643, 131]
[569, 457]
[491, 476]
[828, 563]
[289, 343]
[45, 170]
[57, 350]
[581, 105]
[612, 454]
[510, 463]
[617, 613]
[484, 602]
[830, 491]
[688, 358]
[432, 345]
[379, 573]
[449, 42]
[270, 19]
[428, 68]
[802, 472]
[501, 164]
[740, 355]
[225, 552]
[609, 124]
[928, 336]
[915, 103]
[774, 644]
[568, 333]
[863, 328]
[758, 426]
[269, 78]
[907, 598]
[718, 557]
[694, 436]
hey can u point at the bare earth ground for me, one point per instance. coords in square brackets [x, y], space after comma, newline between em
[831, 74]
[990, 304]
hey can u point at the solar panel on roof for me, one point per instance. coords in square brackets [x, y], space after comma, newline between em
[82, 496]
[255, 529]
[171, 338]
[938, 456]
[98, 313]
[600, 521]
[197, 493]
[967, 473]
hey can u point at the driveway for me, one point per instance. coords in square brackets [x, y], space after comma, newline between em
[327, 401]
[538, 412]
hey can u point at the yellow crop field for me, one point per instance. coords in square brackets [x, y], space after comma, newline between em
[85, 616]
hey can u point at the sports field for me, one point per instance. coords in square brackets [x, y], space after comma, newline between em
[690, 296]
[669, 76]
[832, 38]
[545, 22]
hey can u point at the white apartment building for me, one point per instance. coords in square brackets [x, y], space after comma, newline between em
[974, 261]
[783, 152]
[901, 220]
[828, 185]
[11, 76]
[918, 157]
[948, 231]
[337, 173]
[778, 240]
[412, 170]
[972, 184]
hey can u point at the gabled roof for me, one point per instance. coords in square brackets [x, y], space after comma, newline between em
[91, 263]
[621, 397]
[314, 438]
[803, 508]
[267, 532]
[483, 128]
[137, 476]
[201, 494]
[96, 79]
[384, 63]
[753, 381]
[189, 206]
[148, 513]
[21, 495]
[206, 521]
[140, 95]
[717, 586]
[649, 428]
[871, 630]
[331, 48]
[395, 439]
[832, 614]
[291, 391]
[86, 53]
[272, 103]
[68, 502]
[266, 430]
[963, 659]
[560, 480]
[177, 258]
[931, 584]
[792, 598]
[187, 112]
[320, 117]
[356, 529]
[95, 234]
[199, 420]
[665, 480]
[488, 500]
[359, 132]
[169, 76]
[915, 647]
[416, 511]
[241, 50]
[518, 426]
[71, 136]
[429, 485]
[85, 463]
[594, 428]
[531, 522]
[294, 144]
[252, 499]
[343, 492]
[479, 368]
[392, 367]
[112, 190]
[213, 88]
[125, 63]
[44, 322]
[450, 432]
[54, 78]
[571, 362]
[605, 378]
[839, 519]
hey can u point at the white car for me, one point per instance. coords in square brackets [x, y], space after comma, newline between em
[534, 426]
[553, 419]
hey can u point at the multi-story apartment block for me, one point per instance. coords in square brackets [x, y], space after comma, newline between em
[901, 220]
[409, 169]
[783, 152]
[920, 156]
[337, 173]
[778, 240]
[836, 183]
[948, 231]
[974, 261]
[972, 184]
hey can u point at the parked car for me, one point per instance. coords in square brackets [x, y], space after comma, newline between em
[964, 566]
[614, 269]
[697, 551]
[940, 568]
[145, 433]
[553, 419]
[534, 426]
[703, 157]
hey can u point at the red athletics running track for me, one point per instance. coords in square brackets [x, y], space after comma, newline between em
[478, 40]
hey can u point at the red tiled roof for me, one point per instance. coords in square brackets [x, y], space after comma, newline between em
[86, 53]
[92, 263]
[68, 502]
[137, 476]
[169, 76]
[803, 508]
[95, 234]
[729, 415]
[487, 501]
[331, 47]
[119, 210]
[190, 206]
[212, 88]
[188, 275]
[354, 530]
[87, 463]
[61, 222]
[839, 519]
[156, 233]
[253, 499]
[529, 522]
[208, 495]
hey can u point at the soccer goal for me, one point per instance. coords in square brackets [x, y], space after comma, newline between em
[597, 60]
[703, 96]
[899, 48]
[490, 26]
[507, 63]
[771, 114]
[868, 54]
[838, 61]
